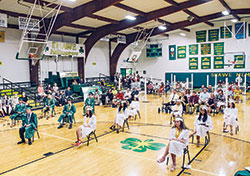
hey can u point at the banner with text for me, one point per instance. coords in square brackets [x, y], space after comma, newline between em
[240, 30]
[205, 62]
[218, 62]
[193, 49]
[201, 36]
[219, 48]
[226, 32]
[239, 61]
[193, 63]
[206, 49]
[213, 35]
[181, 52]
[3, 20]
[172, 52]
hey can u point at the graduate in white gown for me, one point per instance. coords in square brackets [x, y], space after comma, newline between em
[230, 117]
[177, 109]
[134, 107]
[178, 138]
[203, 124]
[121, 115]
[89, 125]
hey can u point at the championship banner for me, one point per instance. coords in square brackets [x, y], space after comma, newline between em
[218, 62]
[172, 52]
[193, 63]
[239, 61]
[206, 63]
[2, 36]
[219, 48]
[206, 49]
[3, 20]
[181, 52]
[193, 49]
[240, 30]
[201, 36]
[213, 35]
[226, 32]
[34, 24]
[65, 49]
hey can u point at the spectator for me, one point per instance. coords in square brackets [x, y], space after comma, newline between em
[68, 93]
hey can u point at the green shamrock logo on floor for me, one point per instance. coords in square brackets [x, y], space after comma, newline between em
[137, 145]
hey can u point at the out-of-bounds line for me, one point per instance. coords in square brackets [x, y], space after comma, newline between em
[140, 134]
[18, 167]
[205, 172]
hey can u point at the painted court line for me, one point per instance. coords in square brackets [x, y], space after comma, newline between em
[205, 172]
[58, 137]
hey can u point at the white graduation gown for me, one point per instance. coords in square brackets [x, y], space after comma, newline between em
[120, 117]
[200, 129]
[134, 107]
[92, 126]
[178, 112]
[230, 116]
[176, 147]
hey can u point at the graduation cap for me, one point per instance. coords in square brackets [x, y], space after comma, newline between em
[28, 107]
[90, 93]
[69, 99]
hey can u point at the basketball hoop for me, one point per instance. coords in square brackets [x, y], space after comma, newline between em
[34, 59]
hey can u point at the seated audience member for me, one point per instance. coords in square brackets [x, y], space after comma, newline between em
[97, 96]
[193, 102]
[135, 93]
[150, 88]
[49, 106]
[54, 89]
[177, 109]
[220, 99]
[230, 117]
[178, 140]
[161, 89]
[25, 99]
[127, 96]
[203, 124]
[59, 98]
[248, 86]
[188, 93]
[156, 88]
[49, 89]
[204, 96]
[89, 102]
[184, 102]
[81, 81]
[74, 82]
[172, 100]
[134, 108]
[114, 91]
[68, 93]
[230, 92]
[109, 96]
[1, 109]
[237, 94]
[183, 86]
[202, 88]
[211, 103]
[209, 89]
[121, 115]
[40, 91]
[167, 87]
[119, 97]
[29, 125]
[6, 105]
[19, 112]
[68, 112]
[89, 125]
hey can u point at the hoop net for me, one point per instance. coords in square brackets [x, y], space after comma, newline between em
[34, 59]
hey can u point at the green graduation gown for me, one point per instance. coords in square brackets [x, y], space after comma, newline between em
[29, 131]
[71, 109]
[51, 103]
[19, 108]
[89, 102]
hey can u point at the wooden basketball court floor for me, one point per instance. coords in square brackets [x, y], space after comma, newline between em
[223, 156]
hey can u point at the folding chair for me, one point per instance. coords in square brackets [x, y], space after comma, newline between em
[185, 152]
[207, 138]
[36, 130]
[88, 137]
[125, 122]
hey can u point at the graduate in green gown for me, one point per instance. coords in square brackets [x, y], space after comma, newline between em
[49, 106]
[90, 101]
[19, 112]
[29, 124]
[68, 112]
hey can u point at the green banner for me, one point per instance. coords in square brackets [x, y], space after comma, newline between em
[219, 48]
[172, 52]
[201, 36]
[213, 35]
[193, 49]
[218, 62]
[239, 61]
[206, 49]
[193, 63]
[226, 32]
[205, 62]
[181, 52]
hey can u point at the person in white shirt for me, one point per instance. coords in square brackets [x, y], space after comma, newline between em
[204, 96]
[203, 124]
[178, 140]
[134, 108]
[127, 96]
[89, 125]
[172, 100]
[230, 117]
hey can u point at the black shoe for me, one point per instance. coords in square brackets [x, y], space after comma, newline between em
[225, 131]
[60, 126]
[20, 142]
[111, 128]
[30, 142]
[70, 126]
[117, 131]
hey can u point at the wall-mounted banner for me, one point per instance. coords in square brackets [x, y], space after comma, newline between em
[205, 62]
[65, 49]
[201, 36]
[213, 35]
[193, 63]
[218, 62]
[226, 32]
[172, 52]
[219, 48]
[193, 49]
[239, 61]
[181, 52]
[154, 50]
[2, 36]
[34, 24]
[3, 20]
[206, 49]
[240, 30]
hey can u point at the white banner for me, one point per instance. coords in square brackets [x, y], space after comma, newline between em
[64, 49]
[3, 20]
[32, 26]
[121, 39]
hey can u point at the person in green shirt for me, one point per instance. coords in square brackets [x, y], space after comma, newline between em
[90, 101]
[68, 112]
[49, 106]
[29, 125]
[19, 112]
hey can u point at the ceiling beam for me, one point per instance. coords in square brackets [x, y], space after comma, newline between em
[103, 19]
[229, 9]
[81, 27]
[130, 9]
[169, 24]
[241, 11]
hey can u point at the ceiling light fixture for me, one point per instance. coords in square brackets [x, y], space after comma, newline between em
[72, 0]
[129, 17]
[234, 20]
[225, 12]
[183, 34]
[162, 27]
